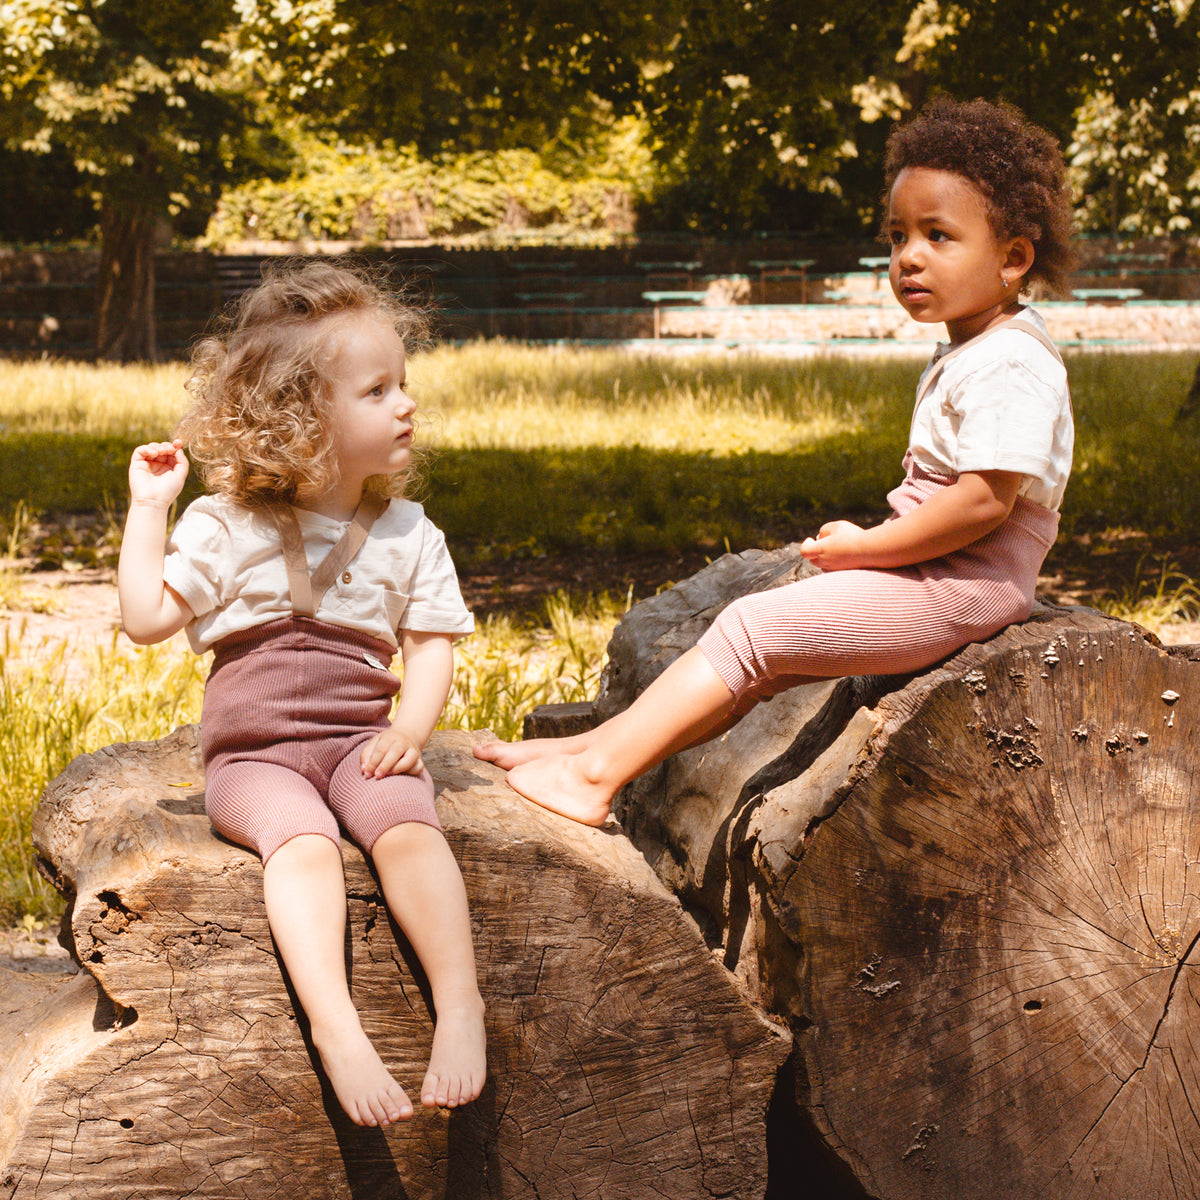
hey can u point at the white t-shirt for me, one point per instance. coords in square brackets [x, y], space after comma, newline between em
[225, 561]
[1001, 404]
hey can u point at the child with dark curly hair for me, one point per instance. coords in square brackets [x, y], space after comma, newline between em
[305, 571]
[976, 210]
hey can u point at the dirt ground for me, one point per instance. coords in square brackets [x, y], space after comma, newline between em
[79, 607]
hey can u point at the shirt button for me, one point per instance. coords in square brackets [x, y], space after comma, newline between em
[346, 577]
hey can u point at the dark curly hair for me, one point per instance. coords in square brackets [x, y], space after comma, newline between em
[1016, 165]
[260, 425]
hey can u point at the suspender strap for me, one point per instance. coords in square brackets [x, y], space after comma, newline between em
[307, 592]
[294, 559]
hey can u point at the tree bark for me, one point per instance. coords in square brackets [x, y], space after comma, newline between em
[125, 321]
[973, 894]
[623, 1060]
[1191, 402]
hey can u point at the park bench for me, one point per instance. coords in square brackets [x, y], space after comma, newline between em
[1106, 295]
[876, 264]
[671, 270]
[782, 268]
[658, 299]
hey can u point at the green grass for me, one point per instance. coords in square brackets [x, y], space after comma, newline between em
[1173, 596]
[633, 453]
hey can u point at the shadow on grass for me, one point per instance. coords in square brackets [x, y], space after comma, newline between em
[494, 503]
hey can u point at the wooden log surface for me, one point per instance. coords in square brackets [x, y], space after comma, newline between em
[624, 1060]
[973, 894]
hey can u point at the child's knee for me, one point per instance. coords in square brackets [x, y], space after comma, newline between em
[406, 838]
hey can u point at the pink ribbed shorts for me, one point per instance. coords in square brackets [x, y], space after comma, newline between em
[883, 622]
[287, 708]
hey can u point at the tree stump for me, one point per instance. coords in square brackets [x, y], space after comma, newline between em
[973, 894]
[624, 1060]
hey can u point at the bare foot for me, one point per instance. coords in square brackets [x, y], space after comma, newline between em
[557, 782]
[511, 754]
[363, 1085]
[458, 1061]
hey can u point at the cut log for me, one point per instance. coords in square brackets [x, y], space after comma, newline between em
[973, 894]
[624, 1060]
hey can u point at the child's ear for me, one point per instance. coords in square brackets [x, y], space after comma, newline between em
[1018, 258]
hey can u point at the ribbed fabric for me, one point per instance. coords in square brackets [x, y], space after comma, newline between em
[883, 622]
[286, 709]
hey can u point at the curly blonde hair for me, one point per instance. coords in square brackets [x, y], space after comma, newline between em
[1016, 165]
[259, 428]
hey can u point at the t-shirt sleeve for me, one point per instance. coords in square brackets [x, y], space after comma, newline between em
[198, 543]
[436, 604]
[1007, 414]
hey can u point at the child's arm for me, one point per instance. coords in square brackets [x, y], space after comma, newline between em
[975, 504]
[428, 672]
[150, 609]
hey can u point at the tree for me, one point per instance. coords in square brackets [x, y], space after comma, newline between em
[145, 99]
[750, 104]
[1114, 80]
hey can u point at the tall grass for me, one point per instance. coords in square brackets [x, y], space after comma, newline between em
[51, 713]
[538, 450]
[58, 709]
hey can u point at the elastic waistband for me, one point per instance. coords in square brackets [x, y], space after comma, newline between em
[301, 633]
[918, 485]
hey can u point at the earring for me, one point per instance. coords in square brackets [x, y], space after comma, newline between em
[1004, 280]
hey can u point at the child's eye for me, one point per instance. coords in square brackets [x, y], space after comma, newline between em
[896, 237]
[377, 390]
[936, 235]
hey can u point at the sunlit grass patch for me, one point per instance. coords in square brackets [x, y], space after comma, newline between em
[509, 667]
[50, 714]
[1172, 597]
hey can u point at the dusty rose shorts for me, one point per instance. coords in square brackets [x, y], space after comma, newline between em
[287, 708]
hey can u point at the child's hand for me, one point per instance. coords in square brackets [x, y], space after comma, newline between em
[391, 752]
[157, 472]
[838, 546]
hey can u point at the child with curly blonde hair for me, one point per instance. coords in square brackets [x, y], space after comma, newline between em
[304, 571]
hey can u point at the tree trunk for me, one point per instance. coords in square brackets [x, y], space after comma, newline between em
[973, 894]
[624, 1062]
[1191, 402]
[125, 323]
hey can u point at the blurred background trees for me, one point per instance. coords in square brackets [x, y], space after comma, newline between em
[136, 122]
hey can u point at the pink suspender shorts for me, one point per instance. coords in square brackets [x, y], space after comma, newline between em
[287, 708]
[884, 622]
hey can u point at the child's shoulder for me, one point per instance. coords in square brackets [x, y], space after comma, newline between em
[219, 520]
[1021, 344]
[223, 510]
[403, 516]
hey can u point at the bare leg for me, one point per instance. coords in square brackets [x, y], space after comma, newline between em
[424, 891]
[688, 703]
[305, 893]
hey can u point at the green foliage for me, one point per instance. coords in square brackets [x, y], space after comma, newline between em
[368, 194]
[1115, 81]
[1136, 167]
